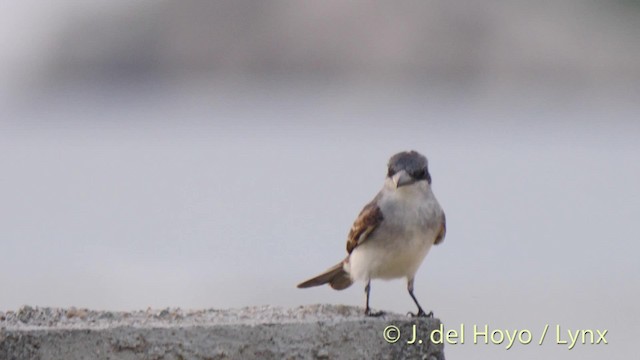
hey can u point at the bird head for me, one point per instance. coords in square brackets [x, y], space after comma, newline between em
[408, 167]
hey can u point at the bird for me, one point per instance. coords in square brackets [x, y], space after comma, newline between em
[393, 233]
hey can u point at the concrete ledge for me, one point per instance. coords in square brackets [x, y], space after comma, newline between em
[308, 332]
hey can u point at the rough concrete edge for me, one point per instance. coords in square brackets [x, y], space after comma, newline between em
[306, 332]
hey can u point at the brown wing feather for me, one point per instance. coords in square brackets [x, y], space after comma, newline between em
[368, 220]
[443, 230]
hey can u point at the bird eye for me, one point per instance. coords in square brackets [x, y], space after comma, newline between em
[419, 174]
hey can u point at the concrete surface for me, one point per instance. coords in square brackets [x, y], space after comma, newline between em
[265, 332]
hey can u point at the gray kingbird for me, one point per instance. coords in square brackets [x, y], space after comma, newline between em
[393, 233]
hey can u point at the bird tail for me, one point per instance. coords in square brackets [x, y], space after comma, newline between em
[335, 276]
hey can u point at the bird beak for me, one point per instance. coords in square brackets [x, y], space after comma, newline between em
[401, 178]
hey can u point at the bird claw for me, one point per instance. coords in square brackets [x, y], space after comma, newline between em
[370, 313]
[421, 314]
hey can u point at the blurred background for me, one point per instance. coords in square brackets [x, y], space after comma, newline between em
[213, 155]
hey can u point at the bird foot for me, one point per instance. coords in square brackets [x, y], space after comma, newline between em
[370, 313]
[421, 314]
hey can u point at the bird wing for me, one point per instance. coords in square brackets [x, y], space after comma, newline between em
[443, 230]
[368, 220]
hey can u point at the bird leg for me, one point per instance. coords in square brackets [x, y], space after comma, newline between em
[367, 310]
[421, 312]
